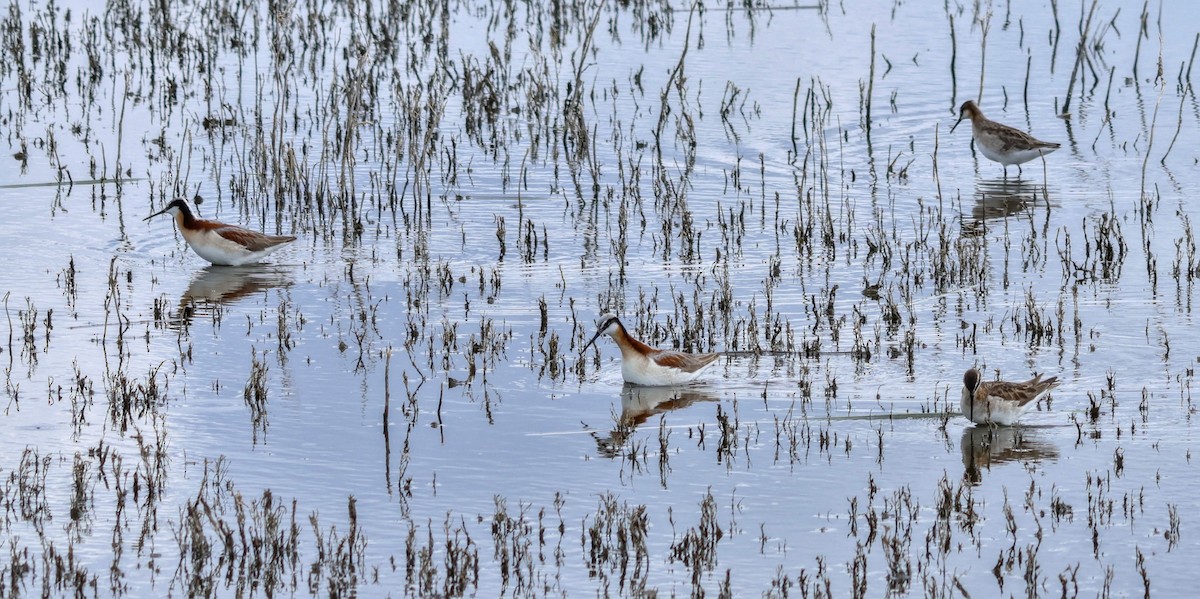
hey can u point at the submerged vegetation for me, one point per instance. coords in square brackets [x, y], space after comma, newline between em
[473, 182]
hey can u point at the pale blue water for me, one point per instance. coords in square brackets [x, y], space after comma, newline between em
[963, 257]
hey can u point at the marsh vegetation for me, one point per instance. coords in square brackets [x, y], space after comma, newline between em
[398, 404]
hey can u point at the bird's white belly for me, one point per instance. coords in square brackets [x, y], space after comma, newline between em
[647, 372]
[1012, 156]
[218, 250]
[992, 411]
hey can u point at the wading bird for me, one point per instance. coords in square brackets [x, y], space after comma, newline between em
[1002, 143]
[219, 243]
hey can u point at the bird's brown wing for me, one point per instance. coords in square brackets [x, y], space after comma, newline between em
[683, 361]
[1020, 140]
[1020, 393]
[252, 240]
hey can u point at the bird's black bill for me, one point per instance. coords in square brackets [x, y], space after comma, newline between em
[594, 338]
[160, 212]
[960, 118]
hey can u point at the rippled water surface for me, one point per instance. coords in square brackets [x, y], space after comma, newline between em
[399, 403]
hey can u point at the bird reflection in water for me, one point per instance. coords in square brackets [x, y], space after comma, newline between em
[998, 199]
[213, 287]
[986, 446]
[639, 403]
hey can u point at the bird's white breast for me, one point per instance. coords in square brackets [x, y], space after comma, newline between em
[218, 250]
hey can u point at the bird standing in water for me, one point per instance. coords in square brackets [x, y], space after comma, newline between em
[219, 243]
[1002, 143]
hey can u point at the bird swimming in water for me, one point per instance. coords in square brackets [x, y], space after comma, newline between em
[645, 365]
[1000, 402]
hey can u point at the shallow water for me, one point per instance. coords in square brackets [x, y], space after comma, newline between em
[408, 373]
